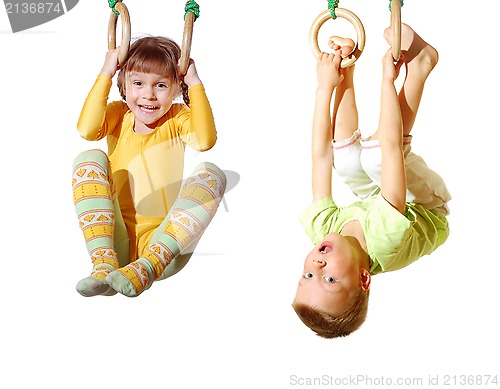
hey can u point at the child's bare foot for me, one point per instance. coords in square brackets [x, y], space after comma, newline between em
[416, 52]
[344, 46]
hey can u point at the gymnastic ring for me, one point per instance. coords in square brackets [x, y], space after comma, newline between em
[350, 17]
[187, 37]
[396, 29]
[125, 43]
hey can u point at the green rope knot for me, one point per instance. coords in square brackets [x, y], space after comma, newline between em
[193, 7]
[390, 4]
[332, 5]
[112, 4]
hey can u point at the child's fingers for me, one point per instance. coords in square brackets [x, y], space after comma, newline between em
[324, 55]
[388, 55]
[323, 58]
[112, 55]
[190, 65]
[337, 60]
[330, 59]
[388, 60]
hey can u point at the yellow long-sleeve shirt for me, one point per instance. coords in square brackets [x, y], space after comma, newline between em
[147, 169]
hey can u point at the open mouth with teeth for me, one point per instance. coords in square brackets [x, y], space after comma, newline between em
[325, 247]
[149, 108]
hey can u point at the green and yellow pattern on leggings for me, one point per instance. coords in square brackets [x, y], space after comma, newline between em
[93, 197]
[189, 217]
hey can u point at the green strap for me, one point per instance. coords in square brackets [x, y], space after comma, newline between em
[112, 4]
[390, 3]
[332, 5]
[193, 7]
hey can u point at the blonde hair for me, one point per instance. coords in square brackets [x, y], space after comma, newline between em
[153, 54]
[329, 326]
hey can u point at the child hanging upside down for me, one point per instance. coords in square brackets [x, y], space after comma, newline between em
[135, 217]
[401, 214]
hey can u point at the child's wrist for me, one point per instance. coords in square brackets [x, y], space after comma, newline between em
[325, 90]
[388, 80]
[106, 72]
[192, 82]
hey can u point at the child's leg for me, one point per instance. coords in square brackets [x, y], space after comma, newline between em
[189, 217]
[424, 186]
[420, 58]
[346, 145]
[345, 111]
[93, 198]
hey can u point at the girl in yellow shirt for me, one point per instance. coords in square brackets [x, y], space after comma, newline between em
[134, 215]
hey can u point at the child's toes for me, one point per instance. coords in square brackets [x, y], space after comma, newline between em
[344, 45]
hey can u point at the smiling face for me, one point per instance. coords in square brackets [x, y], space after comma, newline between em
[149, 96]
[332, 275]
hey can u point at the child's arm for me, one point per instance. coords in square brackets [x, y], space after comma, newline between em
[393, 186]
[95, 119]
[199, 130]
[329, 77]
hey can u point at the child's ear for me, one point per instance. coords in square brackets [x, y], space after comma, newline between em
[122, 81]
[365, 279]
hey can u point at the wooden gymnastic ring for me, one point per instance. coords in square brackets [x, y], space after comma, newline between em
[125, 20]
[186, 43]
[396, 29]
[354, 20]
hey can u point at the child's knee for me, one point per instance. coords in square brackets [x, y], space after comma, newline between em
[214, 172]
[94, 155]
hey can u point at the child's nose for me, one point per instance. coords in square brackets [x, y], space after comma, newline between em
[319, 263]
[149, 93]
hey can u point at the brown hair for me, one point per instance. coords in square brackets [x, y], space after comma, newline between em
[329, 326]
[153, 54]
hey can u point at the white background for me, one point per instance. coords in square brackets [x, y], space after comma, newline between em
[226, 321]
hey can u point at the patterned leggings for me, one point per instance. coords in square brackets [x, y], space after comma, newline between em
[104, 229]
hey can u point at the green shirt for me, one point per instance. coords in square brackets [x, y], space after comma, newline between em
[393, 240]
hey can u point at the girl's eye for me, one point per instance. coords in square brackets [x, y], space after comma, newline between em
[308, 275]
[162, 86]
[329, 280]
[137, 83]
